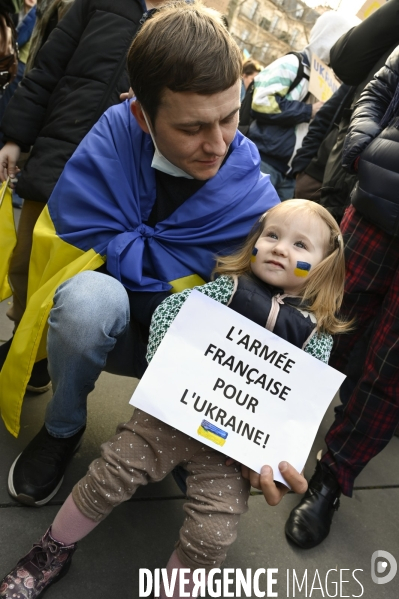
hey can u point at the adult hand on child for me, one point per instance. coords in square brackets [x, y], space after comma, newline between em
[9, 156]
[274, 491]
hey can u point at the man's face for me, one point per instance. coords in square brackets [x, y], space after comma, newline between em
[194, 131]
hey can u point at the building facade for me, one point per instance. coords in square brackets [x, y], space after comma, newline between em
[268, 29]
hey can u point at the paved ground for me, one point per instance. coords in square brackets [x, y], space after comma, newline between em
[141, 533]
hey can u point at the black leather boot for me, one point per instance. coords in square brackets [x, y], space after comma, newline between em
[309, 522]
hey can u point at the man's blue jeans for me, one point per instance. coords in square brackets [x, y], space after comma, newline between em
[89, 331]
[285, 186]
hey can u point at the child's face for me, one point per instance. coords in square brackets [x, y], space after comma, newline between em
[288, 248]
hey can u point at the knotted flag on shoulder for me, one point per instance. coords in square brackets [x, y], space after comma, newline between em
[98, 212]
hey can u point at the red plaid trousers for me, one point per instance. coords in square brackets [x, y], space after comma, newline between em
[369, 420]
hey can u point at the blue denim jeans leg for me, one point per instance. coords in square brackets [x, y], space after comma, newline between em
[285, 186]
[88, 332]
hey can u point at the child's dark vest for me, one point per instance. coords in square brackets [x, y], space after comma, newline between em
[272, 310]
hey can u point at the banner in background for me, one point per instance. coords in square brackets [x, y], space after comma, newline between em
[369, 7]
[323, 82]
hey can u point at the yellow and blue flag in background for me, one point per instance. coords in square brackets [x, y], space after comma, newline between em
[8, 238]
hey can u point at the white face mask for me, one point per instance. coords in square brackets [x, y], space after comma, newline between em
[161, 163]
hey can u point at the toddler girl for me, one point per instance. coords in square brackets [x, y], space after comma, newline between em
[289, 277]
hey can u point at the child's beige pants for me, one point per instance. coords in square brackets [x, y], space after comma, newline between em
[145, 450]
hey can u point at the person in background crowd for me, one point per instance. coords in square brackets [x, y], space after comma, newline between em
[310, 161]
[25, 8]
[280, 106]
[8, 44]
[370, 413]
[26, 23]
[48, 14]
[250, 68]
[355, 58]
[77, 75]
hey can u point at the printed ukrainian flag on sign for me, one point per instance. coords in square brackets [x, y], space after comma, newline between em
[212, 433]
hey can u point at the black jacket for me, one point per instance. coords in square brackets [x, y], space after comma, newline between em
[256, 300]
[354, 54]
[79, 73]
[321, 136]
[355, 58]
[375, 195]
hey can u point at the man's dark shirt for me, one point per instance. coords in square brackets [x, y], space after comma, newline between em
[172, 192]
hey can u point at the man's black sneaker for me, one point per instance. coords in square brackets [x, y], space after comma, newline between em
[38, 472]
[39, 381]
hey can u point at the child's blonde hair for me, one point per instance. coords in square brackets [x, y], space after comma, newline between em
[323, 289]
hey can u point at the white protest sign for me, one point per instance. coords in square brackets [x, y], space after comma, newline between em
[322, 82]
[369, 7]
[233, 385]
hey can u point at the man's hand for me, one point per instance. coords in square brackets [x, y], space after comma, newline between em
[275, 491]
[315, 108]
[9, 156]
[127, 95]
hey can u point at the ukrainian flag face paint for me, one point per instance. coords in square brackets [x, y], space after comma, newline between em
[302, 269]
[289, 247]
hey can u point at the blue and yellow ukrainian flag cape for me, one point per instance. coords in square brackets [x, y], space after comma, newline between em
[97, 212]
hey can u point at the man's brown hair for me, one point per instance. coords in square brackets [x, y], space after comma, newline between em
[184, 47]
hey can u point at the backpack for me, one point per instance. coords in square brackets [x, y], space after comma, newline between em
[245, 109]
[8, 51]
